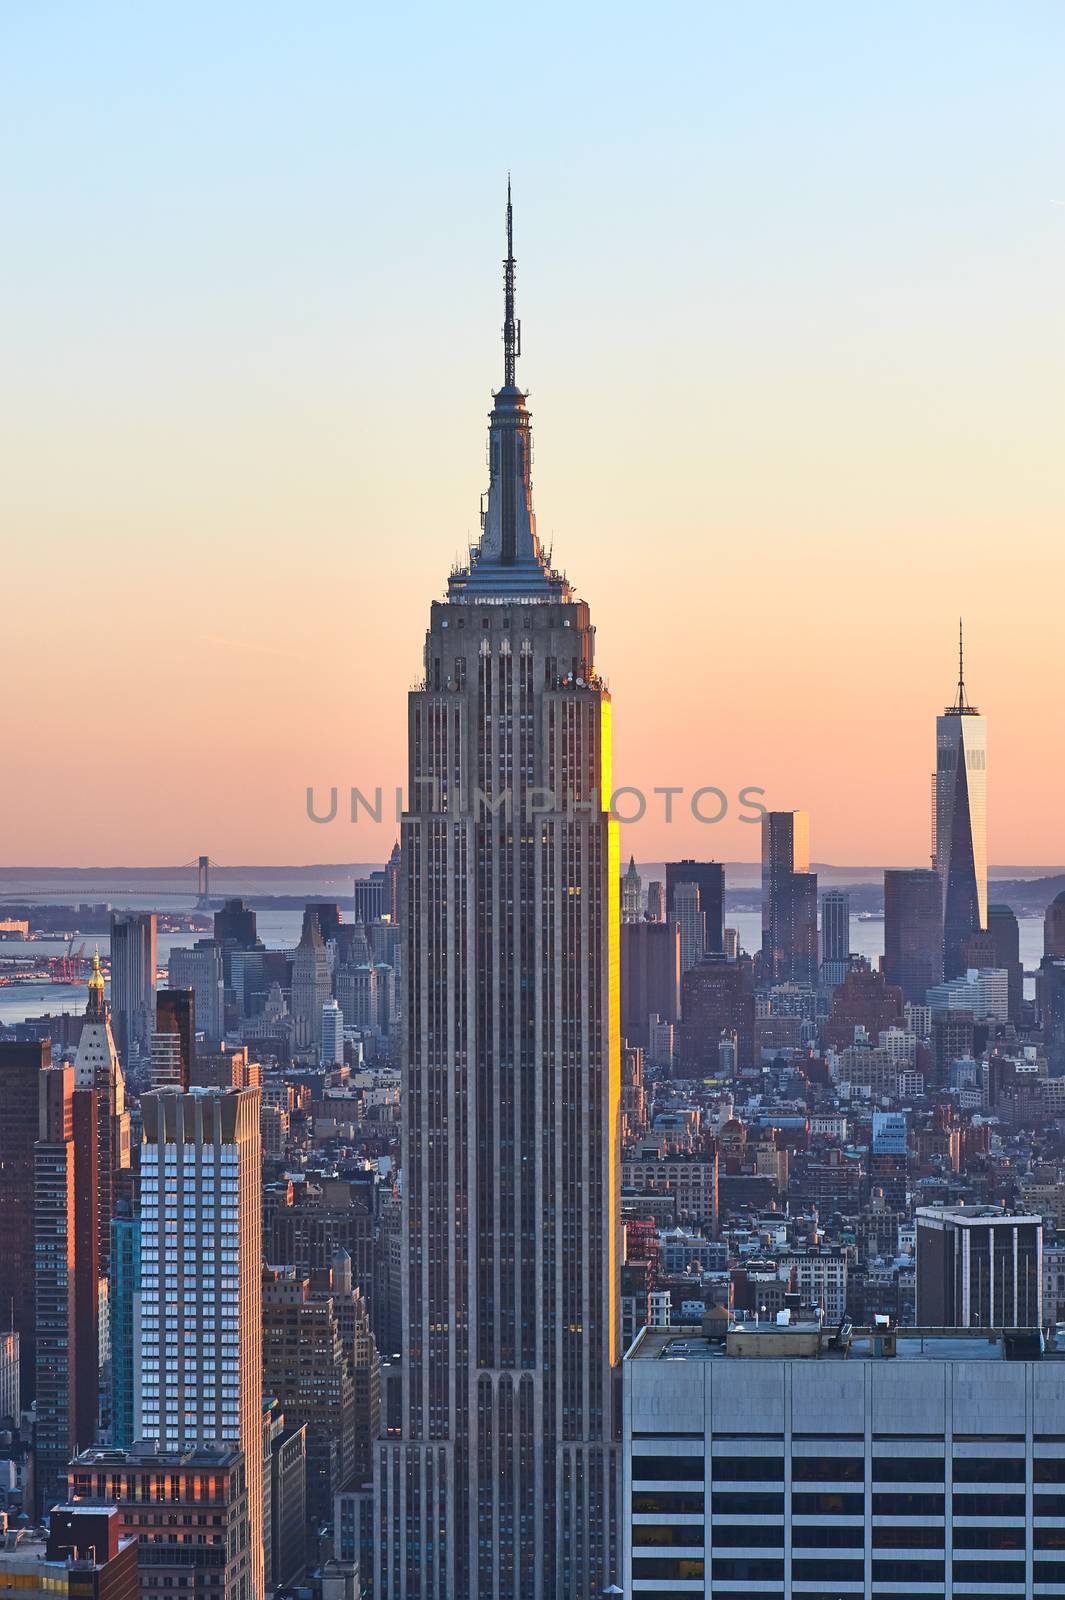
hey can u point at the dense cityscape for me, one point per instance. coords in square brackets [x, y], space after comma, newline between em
[514, 1230]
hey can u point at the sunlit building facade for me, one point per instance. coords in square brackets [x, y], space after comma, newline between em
[503, 1483]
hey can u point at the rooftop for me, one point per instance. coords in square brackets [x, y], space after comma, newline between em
[810, 1340]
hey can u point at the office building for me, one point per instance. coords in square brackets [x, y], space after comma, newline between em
[650, 977]
[960, 822]
[307, 1367]
[835, 936]
[978, 1267]
[709, 878]
[235, 925]
[10, 1389]
[20, 1070]
[983, 994]
[656, 901]
[689, 918]
[717, 1002]
[200, 969]
[1054, 929]
[188, 1509]
[311, 983]
[173, 1046]
[331, 1027]
[800, 1459]
[199, 1320]
[285, 1471]
[372, 899]
[503, 1480]
[66, 1241]
[789, 899]
[123, 1299]
[631, 894]
[913, 931]
[85, 1556]
[1004, 932]
[97, 1066]
[133, 966]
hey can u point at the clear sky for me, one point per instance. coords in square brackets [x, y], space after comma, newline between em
[791, 284]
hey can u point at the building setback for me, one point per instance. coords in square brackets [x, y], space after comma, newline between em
[503, 1482]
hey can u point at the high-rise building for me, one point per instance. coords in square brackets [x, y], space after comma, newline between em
[133, 963]
[235, 924]
[797, 1458]
[710, 878]
[789, 899]
[97, 1066]
[656, 901]
[189, 1510]
[199, 1321]
[913, 931]
[503, 1482]
[631, 894]
[835, 936]
[125, 1288]
[1004, 932]
[960, 818]
[66, 1237]
[307, 1367]
[20, 1068]
[10, 1386]
[689, 919]
[311, 983]
[371, 897]
[717, 1001]
[1054, 929]
[173, 1043]
[650, 976]
[331, 1028]
[202, 970]
[978, 1267]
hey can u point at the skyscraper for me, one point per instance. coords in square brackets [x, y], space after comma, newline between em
[688, 912]
[504, 1480]
[913, 930]
[631, 894]
[710, 877]
[650, 977]
[835, 936]
[20, 1068]
[311, 983]
[133, 962]
[961, 821]
[199, 1322]
[97, 1067]
[789, 899]
[1005, 934]
[67, 1278]
[174, 1038]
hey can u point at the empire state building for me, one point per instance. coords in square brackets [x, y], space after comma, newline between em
[502, 1484]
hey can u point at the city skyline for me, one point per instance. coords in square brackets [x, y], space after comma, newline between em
[821, 392]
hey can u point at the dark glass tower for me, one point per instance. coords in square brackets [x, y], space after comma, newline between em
[961, 822]
[710, 878]
[503, 1482]
[913, 930]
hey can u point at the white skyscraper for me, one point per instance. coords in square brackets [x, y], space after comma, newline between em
[198, 1372]
[689, 915]
[331, 1051]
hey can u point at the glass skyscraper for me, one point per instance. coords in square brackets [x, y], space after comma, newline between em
[503, 1482]
[961, 823]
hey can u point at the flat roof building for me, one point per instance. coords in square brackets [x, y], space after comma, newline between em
[792, 1459]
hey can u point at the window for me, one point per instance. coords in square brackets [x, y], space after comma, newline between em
[674, 1502]
[746, 1504]
[664, 1469]
[748, 1469]
[989, 1469]
[645, 1533]
[908, 1469]
[827, 1469]
[978, 1505]
[826, 1503]
[917, 1505]
[677, 1567]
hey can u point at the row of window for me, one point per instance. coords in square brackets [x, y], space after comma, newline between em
[761, 1569]
[848, 1469]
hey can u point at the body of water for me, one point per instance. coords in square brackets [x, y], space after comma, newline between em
[280, 930]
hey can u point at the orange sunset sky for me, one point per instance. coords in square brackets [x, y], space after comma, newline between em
[791, 295]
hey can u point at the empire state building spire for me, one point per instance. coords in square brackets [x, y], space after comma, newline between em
[509, 562]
